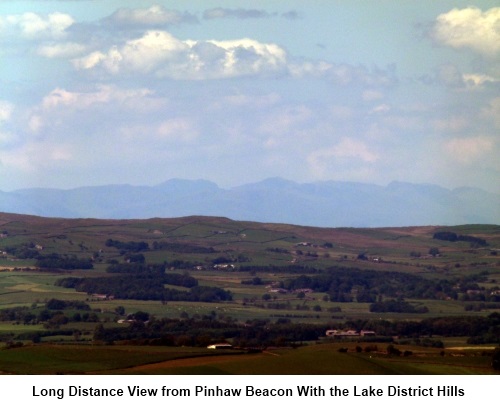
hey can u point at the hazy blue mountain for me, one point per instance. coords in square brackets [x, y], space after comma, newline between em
[327, 204]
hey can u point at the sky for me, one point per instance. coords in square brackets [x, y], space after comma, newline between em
[96, 92]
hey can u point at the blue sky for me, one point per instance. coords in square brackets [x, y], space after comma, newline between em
[97, 92]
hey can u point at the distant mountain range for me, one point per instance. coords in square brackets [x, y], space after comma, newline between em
[324, 204]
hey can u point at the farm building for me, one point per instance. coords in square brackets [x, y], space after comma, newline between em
[349, 333]
[218, 346]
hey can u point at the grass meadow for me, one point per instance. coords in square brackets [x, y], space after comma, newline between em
[319, 359]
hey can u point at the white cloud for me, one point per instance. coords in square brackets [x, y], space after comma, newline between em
[37, 26]
[342, 73]
[148, 53]
[6, 137]
[372, 95]
[247, 56]
[60, 152]
[90, 61]
[35, 123]
[61, 50]
[469, 28]
[492, 111]
[285, 120]
[452, 124]
[475, 81]
[352, 148]
[240, 13]
[469, 150]
[342, 113]
[155, 15]
[380, 109]
[80, 100]
[35, 157]
[161, 53]
[64, 108]
[6, 109]
[291, 15]
[177, 129]
[348, 148]
[452, 77]
[449, 75]
[18, 159]
[67, 128]
[244, 100]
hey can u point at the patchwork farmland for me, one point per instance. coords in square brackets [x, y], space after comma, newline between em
[166, 289]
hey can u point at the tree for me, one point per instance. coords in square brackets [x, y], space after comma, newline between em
[99, 332]
[392, 350]
[140, 316]
[434, 251]
[120, 310]
[135, 258]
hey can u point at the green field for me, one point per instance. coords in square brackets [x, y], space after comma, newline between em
[317, 359]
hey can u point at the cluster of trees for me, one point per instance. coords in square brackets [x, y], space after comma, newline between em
[136, 268]
[291, 268]
[17, 314]
[65, 262]
[145, 282]
[153, 270]
[397, 306]
[344, 284]
[52, 315]
[128, 246]
[253, 281]
[278, 250]
[135, 258]
[453, 237]
[50, 261]
[55, 304]
[182, 247]
[479, 329]
[477, 307]
[339, 282]
[241, 258]
[207, 329]
[25, 251]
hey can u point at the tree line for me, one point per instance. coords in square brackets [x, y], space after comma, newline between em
[261, 333]
[344, 284]
[453, 237]
[145, 282]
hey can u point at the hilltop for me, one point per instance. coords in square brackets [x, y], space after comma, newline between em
[275, 200]
[202, 241]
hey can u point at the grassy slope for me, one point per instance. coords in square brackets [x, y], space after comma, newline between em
[314, 359]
